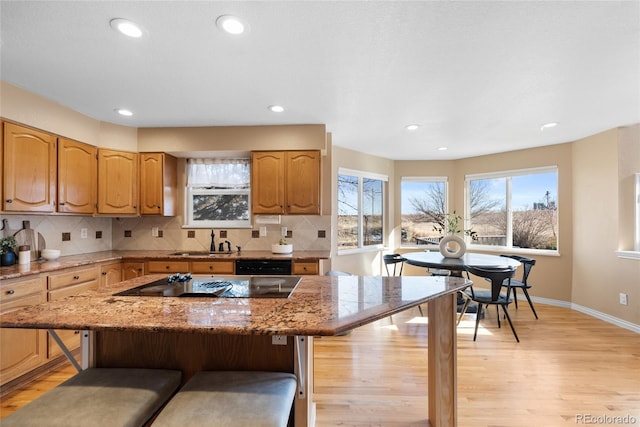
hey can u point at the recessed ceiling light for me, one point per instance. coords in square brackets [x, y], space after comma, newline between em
[126, 27]
[231, 24]
[442, 148]
[276, 108]
[548, 125]
[412, 127]
[124, 112]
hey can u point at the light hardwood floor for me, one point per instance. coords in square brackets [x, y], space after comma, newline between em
[567, 365]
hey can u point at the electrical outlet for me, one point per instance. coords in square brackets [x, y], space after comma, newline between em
[279, 340]
[83, 233]
[154, 231]
[263, 231]
[283, 231]
[623, 299]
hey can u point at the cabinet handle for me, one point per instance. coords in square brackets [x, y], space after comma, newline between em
[61, 204]
[76, 277]
[9, 201]
[11, 292]
[104, 273]
[211, 267]
[166, 267]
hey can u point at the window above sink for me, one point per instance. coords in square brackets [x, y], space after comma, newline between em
[218, 193]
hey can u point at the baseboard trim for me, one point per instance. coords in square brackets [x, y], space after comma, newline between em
[586, 310]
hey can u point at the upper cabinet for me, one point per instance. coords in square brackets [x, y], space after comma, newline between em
[285, 182]
[77, 177]
[117, 182]
[29, 169]
[158, 184]
[267, 182]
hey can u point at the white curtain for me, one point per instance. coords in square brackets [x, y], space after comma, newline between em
[218, 173]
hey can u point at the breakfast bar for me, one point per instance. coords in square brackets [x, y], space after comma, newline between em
[210, 333]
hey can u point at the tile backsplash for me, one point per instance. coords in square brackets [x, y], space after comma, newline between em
[56, 228]
[304, 234]
[105, 233]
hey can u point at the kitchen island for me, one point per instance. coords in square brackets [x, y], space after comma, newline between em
[273, 334]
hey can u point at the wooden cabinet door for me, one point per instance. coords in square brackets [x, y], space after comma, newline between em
[303, 182]
[29, 170]
[21, 350]
[267, 182]
[70, 338]
[110, 274]
[131, 270]
[117, 182]
[158, 184]
[77, 177]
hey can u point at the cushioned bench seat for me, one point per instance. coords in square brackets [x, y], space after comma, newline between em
[231, 398]
[100, 397]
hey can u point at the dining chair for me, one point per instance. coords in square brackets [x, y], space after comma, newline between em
[524, 285]
[497, 277]
[395, 260]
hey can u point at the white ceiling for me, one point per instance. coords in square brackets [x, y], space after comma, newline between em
[479, 77]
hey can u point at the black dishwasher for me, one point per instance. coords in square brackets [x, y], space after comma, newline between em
[266, 267]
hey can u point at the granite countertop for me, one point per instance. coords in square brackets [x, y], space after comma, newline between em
[320, 305]
[69, 261]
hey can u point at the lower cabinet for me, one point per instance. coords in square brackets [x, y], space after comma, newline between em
[66, 283]
[110, 274]
[301, 268]
[22, 349]
[132, 269]
[168, 266]
[213, 267]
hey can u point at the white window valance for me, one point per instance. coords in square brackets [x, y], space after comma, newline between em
[218, 173]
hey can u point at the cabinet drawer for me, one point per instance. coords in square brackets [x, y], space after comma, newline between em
[168, 266]
[302, 268]
[213, 267]
[66, 278]
[26, 301]
[72, 290]
[15, 289]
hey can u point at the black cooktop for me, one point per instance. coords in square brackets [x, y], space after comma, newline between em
[217, 286]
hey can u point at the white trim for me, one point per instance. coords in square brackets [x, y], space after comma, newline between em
[628, 254]
[368, 248]
[636, 244]
[424, 179]
[363, 174]
[515, 172]
[588, 311]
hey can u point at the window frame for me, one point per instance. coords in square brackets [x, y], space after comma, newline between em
[363, 175]
[431, 179]
[508, 174]
[636, 241]
[203, 190]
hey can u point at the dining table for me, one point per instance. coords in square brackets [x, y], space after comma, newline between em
[120, 329]
[430, 259]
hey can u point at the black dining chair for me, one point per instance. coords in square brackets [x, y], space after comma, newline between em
[527, 265]
[394, 260]
[497, 277]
